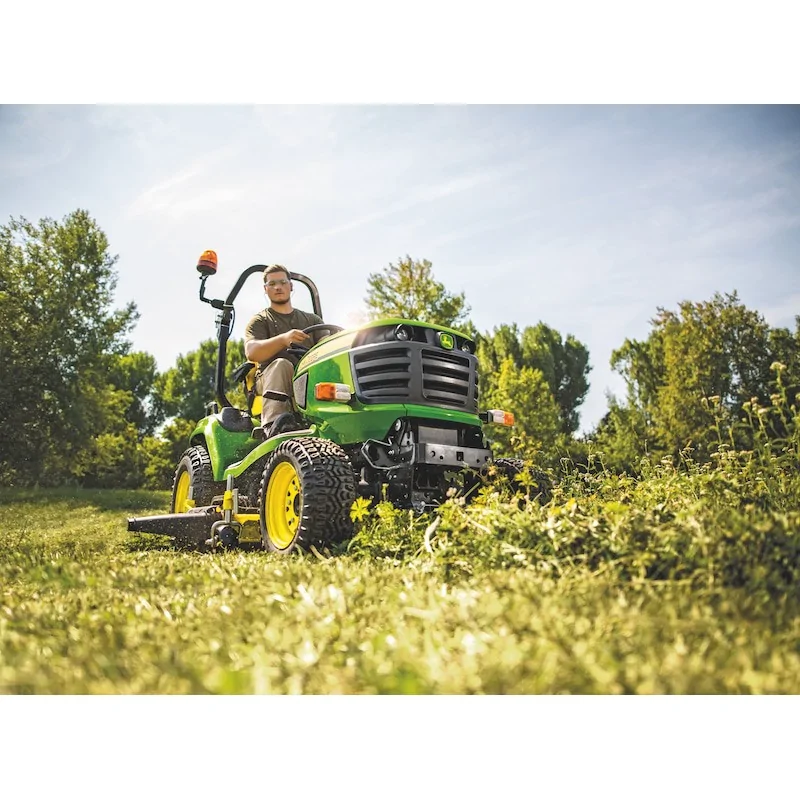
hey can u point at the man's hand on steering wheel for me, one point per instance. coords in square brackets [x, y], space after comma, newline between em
[295, 337]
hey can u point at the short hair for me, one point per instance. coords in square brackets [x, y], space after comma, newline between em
[275, 268]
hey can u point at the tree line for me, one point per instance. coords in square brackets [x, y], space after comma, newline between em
[79, 406]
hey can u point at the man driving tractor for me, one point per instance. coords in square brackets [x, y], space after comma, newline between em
[266, 339]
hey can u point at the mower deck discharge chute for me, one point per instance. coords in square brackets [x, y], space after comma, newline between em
[388, 409]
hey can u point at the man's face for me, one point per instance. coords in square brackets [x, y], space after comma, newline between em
[278, 288]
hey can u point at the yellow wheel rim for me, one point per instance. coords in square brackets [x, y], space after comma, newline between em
[182, 493]
[282, 510]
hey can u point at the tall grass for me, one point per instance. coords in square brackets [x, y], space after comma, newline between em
[681, 580]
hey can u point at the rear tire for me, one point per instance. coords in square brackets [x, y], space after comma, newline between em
[307, 489]
[194, 472]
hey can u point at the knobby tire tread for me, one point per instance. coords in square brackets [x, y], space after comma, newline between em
[327, 490]
[201, 475]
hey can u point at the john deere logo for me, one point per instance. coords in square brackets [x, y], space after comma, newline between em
[446, 341]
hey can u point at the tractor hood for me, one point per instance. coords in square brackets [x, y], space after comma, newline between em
[390, 329]
[390, 366]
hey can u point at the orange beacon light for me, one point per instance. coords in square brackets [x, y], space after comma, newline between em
[207, 263]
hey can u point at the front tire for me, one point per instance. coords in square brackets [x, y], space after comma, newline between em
[307, 489]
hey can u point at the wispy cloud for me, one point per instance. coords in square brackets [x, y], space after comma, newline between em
[412, 199]
[298, 127]
[749, 230]
[159, 197]
[145, 128]
[34, 138]
[191, 190]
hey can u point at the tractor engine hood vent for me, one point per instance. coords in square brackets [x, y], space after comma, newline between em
[415, 372]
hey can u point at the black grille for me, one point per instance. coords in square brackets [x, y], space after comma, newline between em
[415, 373]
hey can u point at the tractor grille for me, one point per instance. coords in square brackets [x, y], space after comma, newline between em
[414, 372]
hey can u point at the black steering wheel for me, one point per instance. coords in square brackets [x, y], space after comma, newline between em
[300, 349]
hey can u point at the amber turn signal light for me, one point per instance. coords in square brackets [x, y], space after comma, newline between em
[500, 417]
[333, 391]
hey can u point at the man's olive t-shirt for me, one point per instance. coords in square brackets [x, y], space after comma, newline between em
[269, 323]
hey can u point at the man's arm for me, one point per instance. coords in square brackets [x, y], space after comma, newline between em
[259, 350]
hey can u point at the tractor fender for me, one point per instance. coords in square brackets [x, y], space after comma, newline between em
[224, 446]
[263, 449]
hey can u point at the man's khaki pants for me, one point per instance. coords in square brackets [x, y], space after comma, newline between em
[276, 377]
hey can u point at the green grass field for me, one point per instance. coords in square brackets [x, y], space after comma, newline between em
[680, 582]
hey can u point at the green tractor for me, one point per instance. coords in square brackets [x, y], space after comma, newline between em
[388, 410]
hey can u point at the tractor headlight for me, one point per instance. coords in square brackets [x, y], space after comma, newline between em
[467, 347]
[402, 333]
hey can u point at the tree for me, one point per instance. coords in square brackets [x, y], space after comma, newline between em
[59, 329]
[160, 454]
[621, 437]
[136, 374]
[785, 350]
[186, 389]
[408, 290]
[564, 364]
[689, 380]
[525, 393]
[118, 456]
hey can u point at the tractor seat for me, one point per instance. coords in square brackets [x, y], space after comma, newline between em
[233, 419]
[246, 375]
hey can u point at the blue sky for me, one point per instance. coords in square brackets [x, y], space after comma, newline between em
[584, 217]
